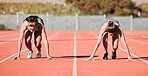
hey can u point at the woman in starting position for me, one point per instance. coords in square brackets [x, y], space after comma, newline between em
[33, 25]
[112, 28]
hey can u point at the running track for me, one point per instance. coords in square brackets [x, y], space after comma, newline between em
[70, 50]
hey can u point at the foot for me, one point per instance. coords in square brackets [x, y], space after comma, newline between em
[38, 54]
[29, 56]
[105, 56]
[114, 55]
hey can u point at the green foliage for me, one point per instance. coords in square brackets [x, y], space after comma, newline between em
[36, 8]
[3, 27]
[110, 7]
[83, 7]
[144, 9]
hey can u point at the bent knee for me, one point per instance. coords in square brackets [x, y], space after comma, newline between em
[115, 47]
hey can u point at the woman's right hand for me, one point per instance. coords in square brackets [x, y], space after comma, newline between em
[17, 57]
[91, 57]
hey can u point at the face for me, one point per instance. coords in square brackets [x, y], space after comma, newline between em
[110, 23]
[31, 25]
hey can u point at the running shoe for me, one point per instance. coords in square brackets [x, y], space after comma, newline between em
[105, 56]
[30, 53]
[114, 55]
[38, 54]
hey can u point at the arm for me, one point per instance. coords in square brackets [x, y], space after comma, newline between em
[122, 36]
[20, 40]
[45, 40]
[102, 31]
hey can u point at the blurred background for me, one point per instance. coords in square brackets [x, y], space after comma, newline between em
[75, 14]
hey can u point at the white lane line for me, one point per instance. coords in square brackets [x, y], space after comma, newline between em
[9, 41]
[139, 41]
[11, 56]
[25, 49]
[135, 56]
[144, 36]
[74, 73]
[8, 35]
[132, 54]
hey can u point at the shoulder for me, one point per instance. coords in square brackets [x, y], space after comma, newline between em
[40, 21]
[105, 24]
[24, 25]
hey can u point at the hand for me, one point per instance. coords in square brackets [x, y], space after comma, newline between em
[130, 58]
[16, 58]
[91, 57]
[49, 58]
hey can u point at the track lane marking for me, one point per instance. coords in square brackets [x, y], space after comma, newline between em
[9, 41]
[138, 41]
[74, 73]
[8, 35]
[135, 56]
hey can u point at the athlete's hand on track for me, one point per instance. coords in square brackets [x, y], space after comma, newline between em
[49, 58]
[16, 58]
[130, 58]
[91, 57]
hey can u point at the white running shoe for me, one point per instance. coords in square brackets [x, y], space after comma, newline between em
[29, 56]
[38, 54]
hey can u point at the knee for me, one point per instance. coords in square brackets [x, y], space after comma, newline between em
[28, 42]
[38, 45]
[105, 39]
[28, 37]
[115, 48]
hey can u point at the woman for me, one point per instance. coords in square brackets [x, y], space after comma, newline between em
[112, 28]
[33, 25]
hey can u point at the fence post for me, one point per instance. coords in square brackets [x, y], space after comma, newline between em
[104, 17]
[17, 21]
[131, 21]
[77, 19]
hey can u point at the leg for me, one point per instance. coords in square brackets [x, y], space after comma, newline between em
[105, 44]
[115, 41]
[28, 37]
[37, 41]
[105, 40]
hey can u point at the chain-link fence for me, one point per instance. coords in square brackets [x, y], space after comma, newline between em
[75, 22]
